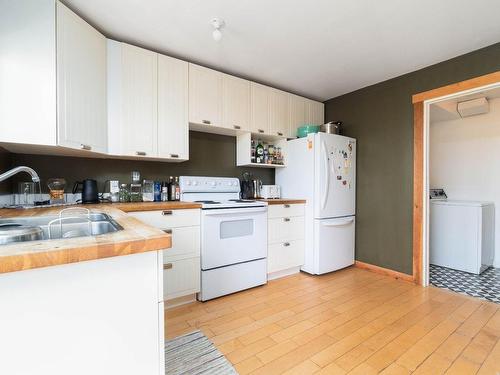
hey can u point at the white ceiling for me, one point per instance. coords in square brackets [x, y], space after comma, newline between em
[320, 49]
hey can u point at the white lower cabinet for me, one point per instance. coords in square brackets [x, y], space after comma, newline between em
[181, 263]
[286, 244]
[181, 278]
[285, 255]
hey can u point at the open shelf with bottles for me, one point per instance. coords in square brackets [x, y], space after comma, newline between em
[274, 150]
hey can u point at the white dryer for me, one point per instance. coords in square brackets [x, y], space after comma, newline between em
[462, 234]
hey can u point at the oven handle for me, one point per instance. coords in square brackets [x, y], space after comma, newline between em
[232, 211]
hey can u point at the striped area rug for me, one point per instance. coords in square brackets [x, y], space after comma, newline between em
[193, 354]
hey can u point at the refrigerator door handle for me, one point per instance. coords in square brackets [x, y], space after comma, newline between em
[338, 222]
[327, 174]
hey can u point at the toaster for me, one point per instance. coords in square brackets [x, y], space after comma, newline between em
[270, 192]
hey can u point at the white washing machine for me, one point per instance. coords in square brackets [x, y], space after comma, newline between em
[462, 234]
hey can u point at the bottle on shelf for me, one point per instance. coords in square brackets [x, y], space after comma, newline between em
[259, 152]
[252, 151]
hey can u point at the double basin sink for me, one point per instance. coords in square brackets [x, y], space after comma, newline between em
[36, 228]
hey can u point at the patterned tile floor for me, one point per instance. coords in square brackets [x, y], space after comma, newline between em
[485, 286]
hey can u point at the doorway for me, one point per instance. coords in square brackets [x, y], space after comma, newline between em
[442, 134]
[463, 160]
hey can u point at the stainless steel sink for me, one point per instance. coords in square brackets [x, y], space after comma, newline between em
[60, 226]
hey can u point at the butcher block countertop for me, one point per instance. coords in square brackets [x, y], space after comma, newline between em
[283, 201]
[136, 237]
[154, 206]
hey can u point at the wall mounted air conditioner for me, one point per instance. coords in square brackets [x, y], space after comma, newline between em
[473, 107]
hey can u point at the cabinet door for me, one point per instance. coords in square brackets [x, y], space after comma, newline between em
[314, 112]
[285, 255]
[173, 123]
[279, 113]
[139, 102]
[260, 108]
[205, 96]
[27, 73]
[81, 77]
[181, 278]
[297, 114]
[235, 103]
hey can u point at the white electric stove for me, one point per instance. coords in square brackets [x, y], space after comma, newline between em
[233, 235]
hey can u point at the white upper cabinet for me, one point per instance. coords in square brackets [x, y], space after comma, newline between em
[132, 100]
[173, 123]
[52, 79]
[205, 96]
[235, 103]
[81, 83]
[279, 113]
[297, 113]
[260, 101]
[315, 112]
[28, 72]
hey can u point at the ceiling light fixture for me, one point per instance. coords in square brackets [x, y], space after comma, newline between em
[217, 24]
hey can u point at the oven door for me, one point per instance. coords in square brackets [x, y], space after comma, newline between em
[231, 236]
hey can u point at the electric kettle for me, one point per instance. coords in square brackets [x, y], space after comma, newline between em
[90, 193]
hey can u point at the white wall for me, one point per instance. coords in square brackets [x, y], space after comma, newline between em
[465, 160]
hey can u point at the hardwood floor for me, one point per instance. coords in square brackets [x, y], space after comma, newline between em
[352, 321]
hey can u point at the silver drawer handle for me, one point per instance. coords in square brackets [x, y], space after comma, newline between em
[237, 127]
[168, 266]
[174, 155]
[286, 219]
[280, 134]
[206, 122]
[140, 153]
[168, 231]
[167, 212]
[286, 205]
[260, 130]
[286, 244]
[85, 147]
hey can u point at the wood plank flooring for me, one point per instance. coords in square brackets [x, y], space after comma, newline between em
[348, 322]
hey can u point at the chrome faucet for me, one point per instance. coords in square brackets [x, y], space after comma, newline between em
[16, 170]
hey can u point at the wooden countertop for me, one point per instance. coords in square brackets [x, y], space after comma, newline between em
[153, 206]
[136, 237]
[283, 201]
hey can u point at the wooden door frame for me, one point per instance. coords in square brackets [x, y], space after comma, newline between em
[418, 101]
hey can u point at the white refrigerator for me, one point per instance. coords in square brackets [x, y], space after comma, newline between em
[321, 168]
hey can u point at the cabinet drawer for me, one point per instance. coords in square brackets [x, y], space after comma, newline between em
[283, 229]
[285, 255]
[181, 278]
[168, 219]
[285, 210]
[185, 244]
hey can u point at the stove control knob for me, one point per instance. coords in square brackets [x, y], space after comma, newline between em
[188, 183]
[213, 183]
[235, 183]
[195, 183]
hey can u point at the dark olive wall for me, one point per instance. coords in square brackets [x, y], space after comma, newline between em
[381, 118]
[209, 155]
[5, 163]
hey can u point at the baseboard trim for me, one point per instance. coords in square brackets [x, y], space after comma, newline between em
[179, 301]
[283, 273]
[384, 271]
